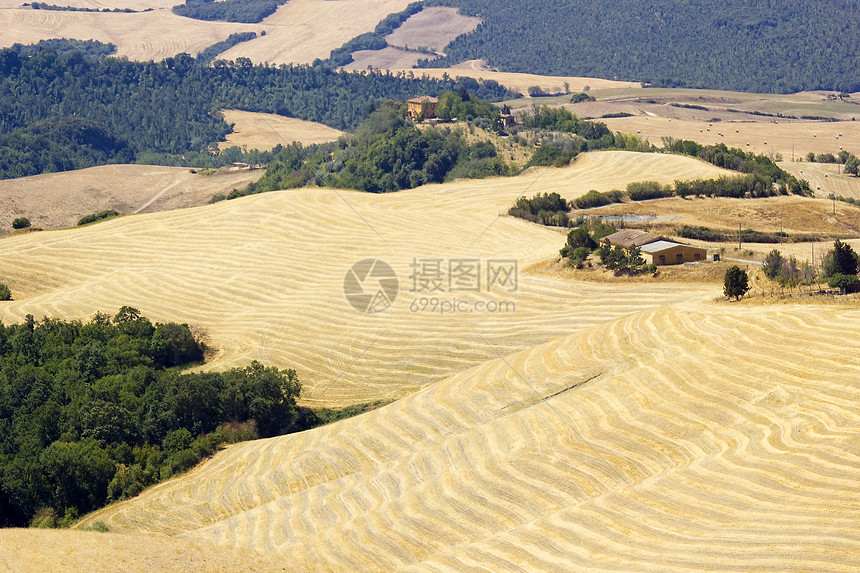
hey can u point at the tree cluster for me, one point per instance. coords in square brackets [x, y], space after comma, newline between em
[583, 239]
[787, 271]
[544, 208]
[246, 11]
[765, 178]
[839, 267]
[386, 153]
[94, 412]
[624, 261]
[735, 282]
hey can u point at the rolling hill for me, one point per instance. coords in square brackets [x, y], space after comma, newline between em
[60, 199]
[263, 276]
[687, 437]
[597, 426]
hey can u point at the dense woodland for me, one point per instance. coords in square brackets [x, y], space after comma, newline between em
[246, 11]
[744, 45]
[144, 110]
[95, 412]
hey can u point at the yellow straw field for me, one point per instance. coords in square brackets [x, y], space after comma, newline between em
[687, 437]
[263, 131]
[263, 276]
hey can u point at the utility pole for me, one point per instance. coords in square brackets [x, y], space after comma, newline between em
[739, 236]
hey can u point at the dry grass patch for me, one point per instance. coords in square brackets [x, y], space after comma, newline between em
[263, 131]
[60, 199]
[700, 273]
[792, 214]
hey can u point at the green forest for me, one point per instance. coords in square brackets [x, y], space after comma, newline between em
[63, 110]
[246, 11]
[95, 412]
[739, 45]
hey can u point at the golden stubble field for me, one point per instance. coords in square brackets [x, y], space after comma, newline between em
[263, 131]
[304, 30]
[790, 140]
[521, 82]
[144, 36]
[263, 276]
[432, 28]
[684, 437]
[638, 426]
[299, 32]
[60, 199]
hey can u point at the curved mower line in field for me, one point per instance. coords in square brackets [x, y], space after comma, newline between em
[681, 438]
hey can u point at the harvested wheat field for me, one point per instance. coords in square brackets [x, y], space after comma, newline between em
[138, 5]
[384, 59]
[304, 30]
[32, 550]
[263, 276]
[792, 214]
[684, 437]
[432, 28]
[522, 82]
[60, 199]
[263, 131]
[825, 178]
[794, 139]
[140, 36]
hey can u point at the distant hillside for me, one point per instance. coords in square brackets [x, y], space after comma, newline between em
[751, 45]
[69, 111]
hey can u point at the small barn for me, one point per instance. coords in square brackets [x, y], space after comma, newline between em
[627, 238]
[665, 252]
[507, 119]
[423, 106]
